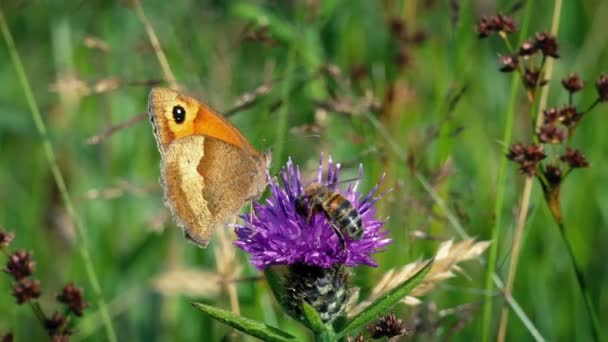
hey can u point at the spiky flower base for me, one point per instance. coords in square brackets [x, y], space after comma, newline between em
[325, 289]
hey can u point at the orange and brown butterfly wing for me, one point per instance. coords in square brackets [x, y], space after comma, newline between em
[206, 181]
[175, 116]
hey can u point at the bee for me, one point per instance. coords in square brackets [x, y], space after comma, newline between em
[340, 212]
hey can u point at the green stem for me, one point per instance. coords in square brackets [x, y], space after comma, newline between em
[580, 279]
[58, 177]
[327, 335]
[500, 191]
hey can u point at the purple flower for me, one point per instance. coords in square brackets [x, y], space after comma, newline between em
[276, 234]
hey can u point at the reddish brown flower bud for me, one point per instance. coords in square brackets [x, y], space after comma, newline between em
[388, 326]
[7, 338]
[573, 83]
[507, 25]
[5, 238]
[418, 37]
[60, 338]
[602, 87]
[535, 153]
[20, 265]
[359, 72]
[498, 23]
[551, 115]
[403, 58]
[569, 116]
[527, 157]
[72, 296]
[56, 324]
[532, 77]
[517, 153]
[550, 134]
[527, 48]
[509, 63]
[358, 338]
[397, 27]
[574, 158]
[25, 290]
[553, 174]
[547, 44]
[483, 28]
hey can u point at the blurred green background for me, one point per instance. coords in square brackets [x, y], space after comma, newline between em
[387, 105]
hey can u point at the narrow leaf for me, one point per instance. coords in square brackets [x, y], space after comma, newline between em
[246, 325]
[387, 301]
[313, 321]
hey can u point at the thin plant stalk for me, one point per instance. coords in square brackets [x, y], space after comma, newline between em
[595, 325]
[517, 239]
[521, 221]
[500, 191]
[58, 178]
[160, 54]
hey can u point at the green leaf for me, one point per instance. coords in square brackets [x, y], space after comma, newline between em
[246, 325]
[387, 301]
[313, 321]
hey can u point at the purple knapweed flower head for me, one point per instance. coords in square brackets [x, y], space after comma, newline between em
[278, 234]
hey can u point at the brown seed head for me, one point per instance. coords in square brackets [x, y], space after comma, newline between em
[358, 338]
[570, 116]
[507, 25]
[535, 152]
[547, 44]
[509, 63]
[359, 72]
[573, 83]
[553, 174]
[527, 48]
[526, 156]
[483, 28]
[72, 296]
[7, 338]
[418, 37]
[397, 27]
[387, 326]
[6, 238]
[574, 158]
[551, 115]
[56, 324]
[60, 338]
[20, 265]
[532, 77]
[602, 87]
[25, 290]
[551, 134]
[517, 153]
[494, 24]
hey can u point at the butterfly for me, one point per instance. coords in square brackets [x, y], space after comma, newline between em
[209, 170]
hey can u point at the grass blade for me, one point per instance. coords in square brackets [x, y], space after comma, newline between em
[245, 325]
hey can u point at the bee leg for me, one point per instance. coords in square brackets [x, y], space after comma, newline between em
[310, 212]
[340, 235]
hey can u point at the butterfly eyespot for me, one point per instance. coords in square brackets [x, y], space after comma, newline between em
[179, 114]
